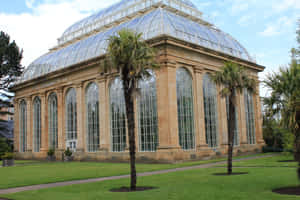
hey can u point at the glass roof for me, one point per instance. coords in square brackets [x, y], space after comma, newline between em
[159, 21]
[121, 11]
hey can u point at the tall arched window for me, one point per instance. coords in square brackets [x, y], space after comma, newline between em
[210, 111]
[250, 120]
[147, 112]
[117, 116]
[71, 119]
[36, 124]
[236, 129]
[52, 121]
[185, 108]
[23, 126]
[92, 117]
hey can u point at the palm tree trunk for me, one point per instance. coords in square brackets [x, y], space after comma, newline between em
[231, 129]
[128, 92]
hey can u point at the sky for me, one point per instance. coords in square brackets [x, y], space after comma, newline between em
[265, 28]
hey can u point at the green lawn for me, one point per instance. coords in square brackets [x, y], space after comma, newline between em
[187, 185]
[275, 161]
[39, 173]
[23, 162]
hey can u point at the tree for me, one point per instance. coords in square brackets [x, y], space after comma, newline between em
[130, 56]
[10, 69]
[10, 61]
[285, 97]
[233, 79]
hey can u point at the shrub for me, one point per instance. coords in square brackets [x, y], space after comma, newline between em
[51, 152]
[4, 146]
[267, 149]
[68, 152]
[288, 142]
[8, 156]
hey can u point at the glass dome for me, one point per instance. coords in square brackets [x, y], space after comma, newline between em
[124, 4]
[157, 22]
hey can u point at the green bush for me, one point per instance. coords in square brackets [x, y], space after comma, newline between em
[51, 152]
[288, 142]
[68, 152]
[8, 156]
[4, 146]
[267, 149]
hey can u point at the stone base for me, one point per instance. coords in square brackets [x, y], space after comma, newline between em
[163, 155]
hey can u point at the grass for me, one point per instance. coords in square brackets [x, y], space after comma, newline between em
[186, 185]
[21, 162]
[275, 161]
[40, 173]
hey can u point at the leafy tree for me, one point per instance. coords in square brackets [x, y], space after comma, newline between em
[233, 79]
[130, 56]
[10, 61]
[10, 69]
[285, 97]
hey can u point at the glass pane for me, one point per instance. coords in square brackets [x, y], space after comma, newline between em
[147, 110]
[250, 119]
[23, 126]
[185, 108]
[52, 121]
[210, 111]
[92, 117]
[36, 124]
[117, 116]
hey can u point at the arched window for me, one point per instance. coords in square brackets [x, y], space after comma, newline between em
[92, 117]
[52, 121]
[23, 126]
[71, 119]
[36, 124]
[250, 120]
[236, 129]
[185, 108]
[210, 111]
[117, 116]
[147, 112]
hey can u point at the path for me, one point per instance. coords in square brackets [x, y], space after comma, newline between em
[92, 180]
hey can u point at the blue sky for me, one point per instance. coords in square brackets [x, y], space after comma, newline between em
[265, 28]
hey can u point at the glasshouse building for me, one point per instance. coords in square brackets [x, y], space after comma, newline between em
[64, 100]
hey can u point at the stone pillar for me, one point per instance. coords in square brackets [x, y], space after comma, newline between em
[243, 129]
[29, 122]
[80, 119]
[239, 119]
[16, 126]
[200, 136]
[104, 114]
[258, 116]
[222, 119]
[167, 108]
[60, 120]
[44, 123]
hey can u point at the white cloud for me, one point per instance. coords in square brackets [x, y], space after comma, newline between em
[284, 5]
[29, 3]
[38, 30]
[282, 25]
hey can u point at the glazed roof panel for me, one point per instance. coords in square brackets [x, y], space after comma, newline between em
[160, 21]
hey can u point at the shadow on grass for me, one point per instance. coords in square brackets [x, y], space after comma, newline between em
[138, 189]
[233, 174]
[288, 191]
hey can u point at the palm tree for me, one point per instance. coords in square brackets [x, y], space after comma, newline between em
[285, 99]
[130, 56]
[233, 79]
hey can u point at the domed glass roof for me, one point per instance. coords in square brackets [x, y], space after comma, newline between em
[110, 11]
[158, 21]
